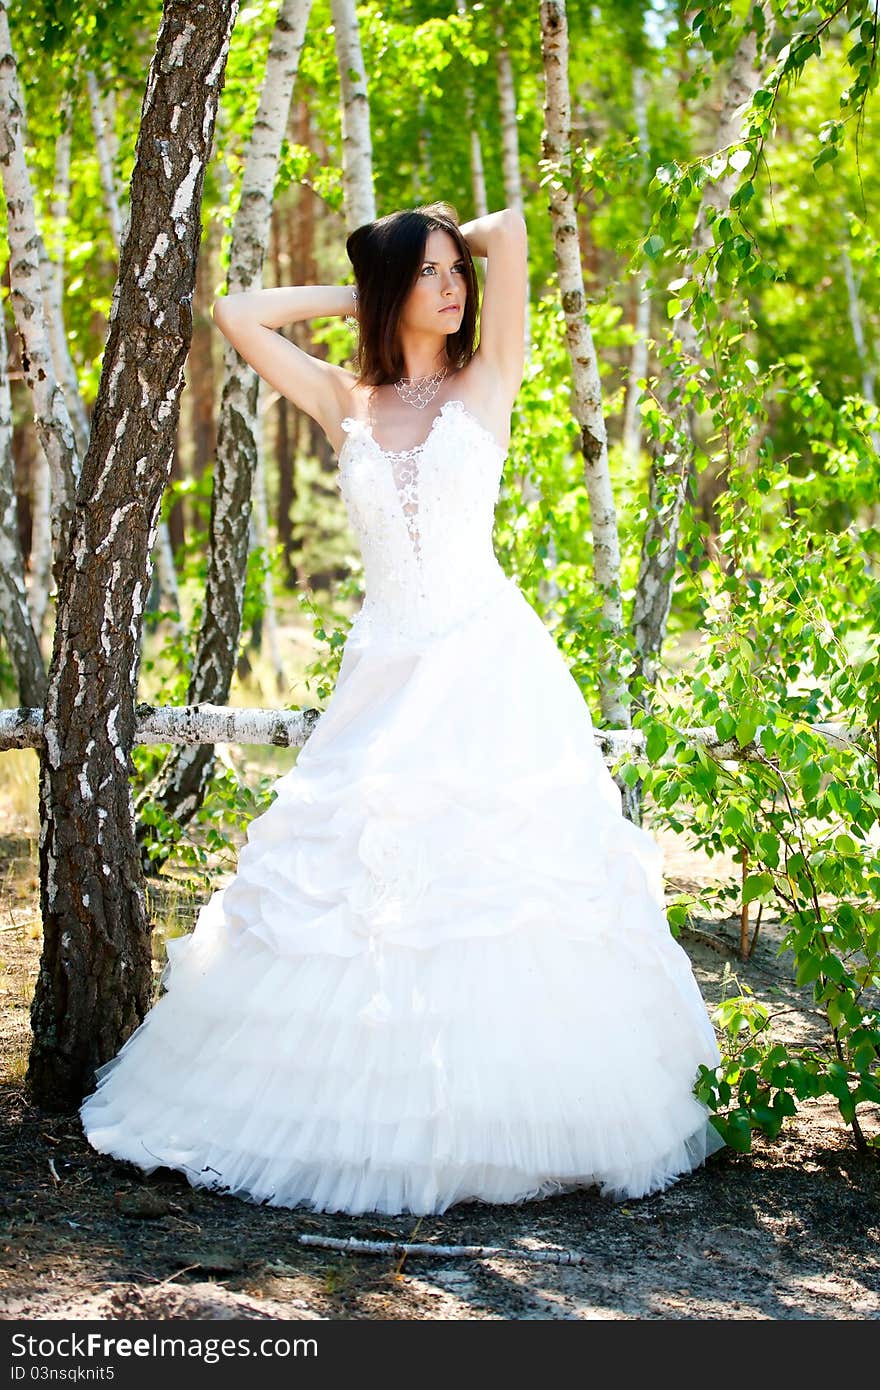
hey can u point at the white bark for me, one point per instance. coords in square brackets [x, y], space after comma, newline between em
[184, 724]
[862, 352]
[40, 558]
[52, 274]
[510, 161]
[478, 171]
[250, 233]
[556, 143]
[638, 361]
[287, 728]
[513, 194]
[357, 145]
[15, 620]
[868, 372]
[51, 416]
[166, 575]
[105, 162]
[354, 1245]
[263, 539]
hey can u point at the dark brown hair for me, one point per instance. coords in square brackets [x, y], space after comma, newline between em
[387, 256]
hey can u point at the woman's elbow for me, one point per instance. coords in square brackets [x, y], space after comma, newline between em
[514, 222]
[223, 309]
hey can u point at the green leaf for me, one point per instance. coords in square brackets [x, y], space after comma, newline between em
[756, 885]
[656, 743]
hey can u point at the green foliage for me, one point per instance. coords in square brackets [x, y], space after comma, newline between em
[212, 837]
[781, 653]
[330, 624]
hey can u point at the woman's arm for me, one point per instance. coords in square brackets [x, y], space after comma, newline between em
[249, 320]
[502, 238]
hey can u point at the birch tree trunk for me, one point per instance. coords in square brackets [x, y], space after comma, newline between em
[672, 464]
[40, 557]
[15, 619]
[556, 150]
[52, 277]
[95, 977]
[180, 784]
[862, 352]
[163, 558]
[263, 539]
[51, 416]
[357, 145]
[53, 285]
[513, 194]
[638, 361]
[284, 274]
[478, 172]
[105, 163]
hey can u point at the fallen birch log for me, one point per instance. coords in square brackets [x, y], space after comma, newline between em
[353, 1246]
[287, 728]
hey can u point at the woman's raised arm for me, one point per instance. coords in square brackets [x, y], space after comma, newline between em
[249, 320]
[502, 238]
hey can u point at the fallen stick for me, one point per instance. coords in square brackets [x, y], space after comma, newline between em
[447, 1252]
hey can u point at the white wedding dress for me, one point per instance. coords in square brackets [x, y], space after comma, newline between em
[443, 969]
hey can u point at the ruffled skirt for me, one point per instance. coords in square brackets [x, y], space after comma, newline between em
[443, 969]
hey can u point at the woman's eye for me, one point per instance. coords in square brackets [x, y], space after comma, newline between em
[427, 268]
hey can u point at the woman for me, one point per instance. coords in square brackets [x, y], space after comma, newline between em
[443, 970]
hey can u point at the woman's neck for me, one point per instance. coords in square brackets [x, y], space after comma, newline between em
[421, 359]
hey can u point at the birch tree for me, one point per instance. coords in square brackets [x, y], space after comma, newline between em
[185, 774]
[15, 619]
[556, 155]
[53, 267]
[95, 978]
[672, 464]
[513, 191]
[51, 416]
[357, 145]
[638, 361]
[863, 354]
[105, 161]
[478, 172]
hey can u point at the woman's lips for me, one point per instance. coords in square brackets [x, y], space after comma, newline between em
[449, 309]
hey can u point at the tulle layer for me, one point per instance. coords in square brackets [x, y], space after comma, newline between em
[408, 1080]
[443, 969]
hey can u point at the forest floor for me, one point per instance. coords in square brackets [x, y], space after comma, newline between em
[790, 1230]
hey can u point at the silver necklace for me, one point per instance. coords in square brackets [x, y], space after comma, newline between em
[419, 391]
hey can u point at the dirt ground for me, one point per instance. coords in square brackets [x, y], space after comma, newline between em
[791, 1230]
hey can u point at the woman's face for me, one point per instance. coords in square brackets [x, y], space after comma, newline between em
[435, 304]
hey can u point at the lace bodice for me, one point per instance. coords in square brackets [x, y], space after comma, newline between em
[423, 518]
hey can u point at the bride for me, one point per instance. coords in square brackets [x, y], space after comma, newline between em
[443, 970]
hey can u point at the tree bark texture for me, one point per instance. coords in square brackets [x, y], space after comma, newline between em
[638, 361]
[51, 415]
[95, 977]
[53, 285]
[357, 144]
[15, 619]
[105, 162]
[556, 151]
[478, 172]
[291, 728]
[180, 784]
